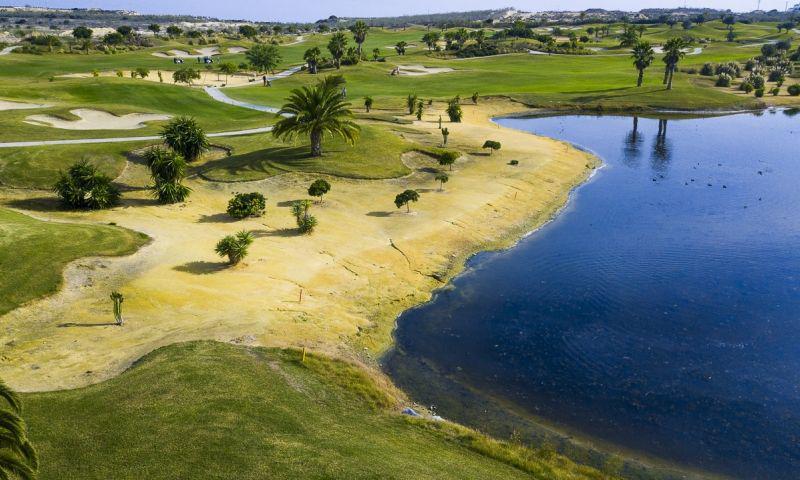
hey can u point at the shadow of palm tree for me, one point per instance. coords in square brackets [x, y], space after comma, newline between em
[82, 325]
[287, 203]
[280, 232]
[201, 268]
[36, 204]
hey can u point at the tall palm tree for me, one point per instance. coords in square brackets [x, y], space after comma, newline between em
[312, 57]
[315, 111]
[18, 458]
[643, 55]
[673, 53]
[359, 30]
[337, 45]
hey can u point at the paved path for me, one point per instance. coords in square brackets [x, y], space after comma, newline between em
[216, 93]
[81, 141]
[8, 50]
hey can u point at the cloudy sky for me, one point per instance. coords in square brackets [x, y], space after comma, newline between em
[309, 10]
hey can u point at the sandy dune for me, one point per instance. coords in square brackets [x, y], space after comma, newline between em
[421, 70]
[366, 262]
[96, 120]
[7, 105]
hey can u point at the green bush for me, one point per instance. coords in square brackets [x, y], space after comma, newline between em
[759, 92]
[319, 188]
[746, 87]
[244, 205]
[794, 90]
[723, 80]
[775, 91]
[83, 187]
[707, 70]
[235, 247]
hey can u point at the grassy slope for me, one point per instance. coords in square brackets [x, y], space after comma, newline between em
[211, 410]
[46, 248]
[375, 155]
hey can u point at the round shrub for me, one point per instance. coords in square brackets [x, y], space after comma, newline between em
[776, 76]
[794, 90]
[319, 188]
[759, 92]
[83, 187]
[723, 80]
[757, 81]
[775, 91]
[707, 69]
[746, 87]
[750, 65]
[244, 205]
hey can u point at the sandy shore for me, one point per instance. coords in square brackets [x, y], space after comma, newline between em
[366, 263]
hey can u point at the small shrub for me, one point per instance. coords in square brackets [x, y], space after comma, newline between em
[776, 76]
[707, 70]
[454, 111]
[775, 91]
[83, 187]
[514, 162]
[746, 87]
[794, 90]
[491, 145]
[757, 81]
[234, 247]
[723, 80]
[244, 205]
[405, 198]
[448, 158]
[759, 92]
[305, 221]
[319, 188]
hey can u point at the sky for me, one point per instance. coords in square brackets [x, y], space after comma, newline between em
[311, 10]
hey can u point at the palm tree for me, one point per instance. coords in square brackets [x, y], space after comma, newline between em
[315, 111]
[312, 57]
[186, 137]
[337, 46]
[673, 53]
[234, 246]
[400, 48]
[18, 458]
[643, 55]
[359, 30]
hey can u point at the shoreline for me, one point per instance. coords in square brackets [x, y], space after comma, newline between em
[354, 287]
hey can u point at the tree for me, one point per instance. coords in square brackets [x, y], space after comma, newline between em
[337, 45]
[479, 36]
[420, 109]
[491, 145]
[368, 103]
[235, 246]
[18, 459]
[431, 39]
[448, 158]
[155, 28]
[117, 298]
[643, 55]
[264, 57]
[359, 30]
[186, 137]
[83, 187]
[411, 102]
[313, 56]
[114, 38]
[305, 221]
[316, 111]
[400, 48]
[125, 30]
[376, 53]
[228, 68]
[673, 53]
[475, 97]
[629, 36]
[244, 205]
[319, 188]
[185, 75]
[442, 178]
[445, 134]
[454, 110]
[167, 169]
[174, 31]
[84, 35]
[730, 21]
[686, 24]
[248, 31]
[405, 198]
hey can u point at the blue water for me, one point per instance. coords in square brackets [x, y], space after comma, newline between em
[660, 311]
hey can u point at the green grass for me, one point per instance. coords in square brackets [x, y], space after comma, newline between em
[375, 155]
[38, 167]
[47, 247]
[212, 410]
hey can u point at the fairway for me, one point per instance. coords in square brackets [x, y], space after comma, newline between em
[47, 247]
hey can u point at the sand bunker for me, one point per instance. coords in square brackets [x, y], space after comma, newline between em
[6, 105]
[237, 50]
[419, 70]
[96, 120]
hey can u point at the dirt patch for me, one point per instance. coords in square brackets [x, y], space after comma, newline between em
[89, 119]
[6, 105]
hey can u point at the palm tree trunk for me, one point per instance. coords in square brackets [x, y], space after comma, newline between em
[640, 79]
[666, 75]
[316, 144]
[671, 73]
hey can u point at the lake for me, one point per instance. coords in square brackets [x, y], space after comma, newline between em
[659, 312]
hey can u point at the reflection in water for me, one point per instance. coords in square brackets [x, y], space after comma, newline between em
[633, 145]
[658, 316]
[661, 151]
